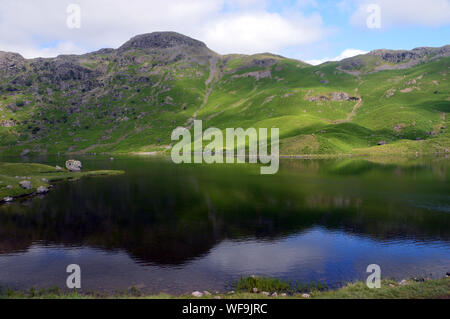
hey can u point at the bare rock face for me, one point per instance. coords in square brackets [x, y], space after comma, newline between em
[73, 165]
[11, 64]
[334, 96]
[401, 56]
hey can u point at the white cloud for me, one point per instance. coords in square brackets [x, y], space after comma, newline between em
[259, 32]
[429, 13]
[38, 28]
[348, 53]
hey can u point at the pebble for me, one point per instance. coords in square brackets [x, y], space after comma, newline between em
[42, 190]
[197, 294]
[403, 282]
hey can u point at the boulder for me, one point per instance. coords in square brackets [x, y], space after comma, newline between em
[8, 199]
[306, 296]
[404, 282]
[42, 190]
[73, 165]
[25, 184]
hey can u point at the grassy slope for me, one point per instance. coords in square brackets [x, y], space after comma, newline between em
[439, 288]
[330, 127]
[140, 117]
[38, 175]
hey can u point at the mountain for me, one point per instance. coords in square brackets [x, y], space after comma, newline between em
[131, 98]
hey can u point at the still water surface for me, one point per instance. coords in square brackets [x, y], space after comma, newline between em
[170, 228]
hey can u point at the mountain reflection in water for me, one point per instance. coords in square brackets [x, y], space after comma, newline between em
[314, 220]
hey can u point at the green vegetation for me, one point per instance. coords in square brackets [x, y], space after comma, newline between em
[271, 285]
[390, 289]
[11, 174]
[145, 93]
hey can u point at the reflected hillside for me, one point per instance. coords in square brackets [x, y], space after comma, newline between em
[165, 214]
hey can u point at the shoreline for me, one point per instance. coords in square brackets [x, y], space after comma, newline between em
[390, 289]
[23, 180]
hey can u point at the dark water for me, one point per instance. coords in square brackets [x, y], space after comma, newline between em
[163, 227]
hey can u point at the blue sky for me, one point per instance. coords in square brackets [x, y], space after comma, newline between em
[310, 30]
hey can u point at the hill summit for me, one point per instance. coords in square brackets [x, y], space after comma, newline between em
[161, 40]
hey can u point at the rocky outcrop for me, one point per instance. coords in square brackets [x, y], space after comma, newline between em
[7, 123]
[379, 60]
[160, 40]
[417, 54]
[334, 96]
[11, 64]
[257, 75]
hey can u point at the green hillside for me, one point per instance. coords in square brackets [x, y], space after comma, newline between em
[131, 98]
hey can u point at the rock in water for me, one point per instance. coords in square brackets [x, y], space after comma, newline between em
[24, 153]
[73, 165]
[42, 190]
[25, 184]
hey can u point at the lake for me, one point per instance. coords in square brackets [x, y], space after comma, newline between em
[178, 228]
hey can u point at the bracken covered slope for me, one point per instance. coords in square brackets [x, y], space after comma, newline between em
[131, 98]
